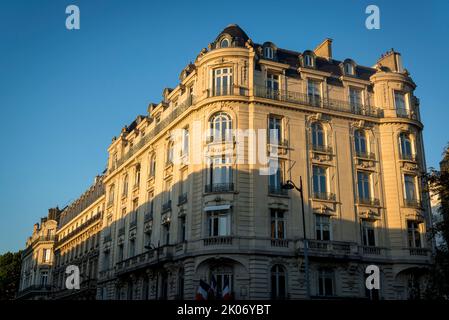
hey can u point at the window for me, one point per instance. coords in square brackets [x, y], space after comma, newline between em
[272, 86]
[319, 181]
[276, 178]
[111, 194]
[363, 186]
[322, 227]
[182, 229]
[137, 176]
[152, 171]
[368, 234]
[120, 252]
[414, 236]
[360, 143]
[400, 103]
[220, 127]
[278, 282]
[132, 248]
[170, 148]
[277, 224]
[313, 92]
[125, 185]
[275, 130]
[219, 223]
[355, 99]
[147, 238]
[44, 278]
[166, 233]
[219, 174]
[224, 279]
[224, 43]
[308, 60]
[46, 255]
[268, 52]
[222, 81]
[317, 135]
[349, 69]
[185, 142]
[410, 189]
[406, 146]
[135, 205]
[325, 283]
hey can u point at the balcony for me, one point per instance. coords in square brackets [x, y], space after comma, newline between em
[166, 206]
[337, 247]
[365, 155]
[218, 241]
[371, 250]
[317, 102]
[324, 196]
[408, 157]
[418, 251]
[182, 199]
[280, 243]
[322, 149]
[368, 201]
[412, 203]
[406, 114]
[277, 191]
[148, 216]
[219, 187]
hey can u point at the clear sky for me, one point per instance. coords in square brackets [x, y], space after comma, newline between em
[65, 94]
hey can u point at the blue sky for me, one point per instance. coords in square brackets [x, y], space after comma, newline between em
[64, 94]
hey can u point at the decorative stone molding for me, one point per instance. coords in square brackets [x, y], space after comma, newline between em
[369, 214]
[324, 209]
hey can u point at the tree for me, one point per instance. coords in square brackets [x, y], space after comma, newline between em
[438, 183]
[10, 264]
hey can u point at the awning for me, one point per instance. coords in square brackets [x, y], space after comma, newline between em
[217, 208]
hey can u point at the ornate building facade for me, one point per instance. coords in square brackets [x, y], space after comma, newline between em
[179, 206]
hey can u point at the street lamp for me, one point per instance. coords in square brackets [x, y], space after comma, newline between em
[289, 185]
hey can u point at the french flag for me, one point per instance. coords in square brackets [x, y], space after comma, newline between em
[213, 287]
[226, 289]
[203, 289]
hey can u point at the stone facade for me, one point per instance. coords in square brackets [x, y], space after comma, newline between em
[179, 207]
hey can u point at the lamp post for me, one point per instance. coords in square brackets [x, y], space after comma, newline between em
[288, 185]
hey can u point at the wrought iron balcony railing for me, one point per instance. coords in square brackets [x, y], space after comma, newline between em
[316, 101]
[408, 157]
[413, 203]
[368, 201]
[219, 187]
[277, 190]
[148, 216]
[324, 149]
[365, 155]
[324, 196]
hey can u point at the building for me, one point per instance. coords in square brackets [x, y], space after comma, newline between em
[38, 258]
[188, 199]
[78, 235]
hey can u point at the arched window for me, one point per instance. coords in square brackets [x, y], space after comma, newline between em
[224, 43]
[360, 142]
[278, 282]
[220, 127]
[406, 146]
[125, 185]
[137, 176]
[317, 136]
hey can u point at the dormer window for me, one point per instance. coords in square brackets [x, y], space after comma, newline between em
[349, 69]
[224, 43]
[308, 61]
[268, 53]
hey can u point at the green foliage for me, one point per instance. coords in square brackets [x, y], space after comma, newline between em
[10, 264]
[439, 186]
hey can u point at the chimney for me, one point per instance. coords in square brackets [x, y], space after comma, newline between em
[391, 60]
[324, 49]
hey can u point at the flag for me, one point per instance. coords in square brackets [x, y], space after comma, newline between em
[203, 289]
[226, 289]
[213, 287]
